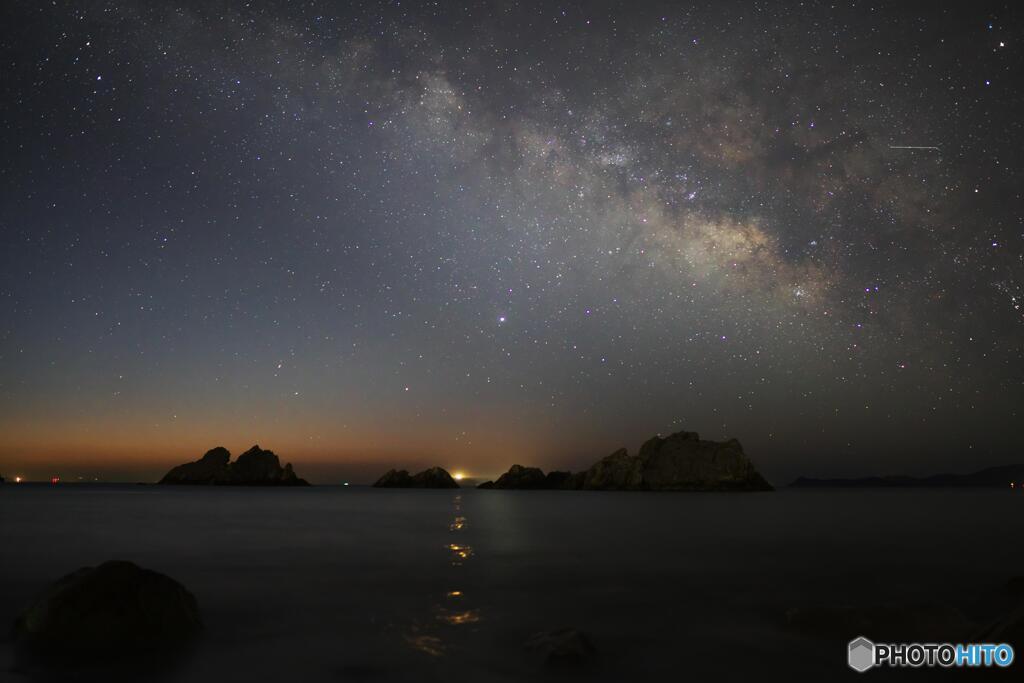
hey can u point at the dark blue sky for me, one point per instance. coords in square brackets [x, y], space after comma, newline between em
[477, 234]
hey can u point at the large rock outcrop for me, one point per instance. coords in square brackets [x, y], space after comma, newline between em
[100, 615]
[431, 478]
[678, 462]
[619, 471]
[684, 462]
[255, 467]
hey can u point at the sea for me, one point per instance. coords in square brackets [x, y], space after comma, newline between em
[333, 583]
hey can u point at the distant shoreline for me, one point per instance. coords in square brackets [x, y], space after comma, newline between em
[1004, 476]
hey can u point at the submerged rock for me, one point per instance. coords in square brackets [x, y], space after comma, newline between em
[564, 648]
[255, 467]
[431, 478]
[104, 614]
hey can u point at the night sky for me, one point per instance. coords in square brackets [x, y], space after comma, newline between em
[405, 234]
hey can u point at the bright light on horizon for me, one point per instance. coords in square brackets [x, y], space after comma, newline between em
[458, 476]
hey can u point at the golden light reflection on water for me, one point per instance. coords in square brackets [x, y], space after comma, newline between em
[460, 553]
[469, 616]
[430, 645]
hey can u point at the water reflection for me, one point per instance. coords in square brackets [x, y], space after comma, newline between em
[460, 553]
[452, 610]
[427, 644]
[469, 616]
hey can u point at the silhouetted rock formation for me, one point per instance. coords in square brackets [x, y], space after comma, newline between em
[683, 462]
[99, 615]
[255, 467]
[432, 478]
[519, 477]
[1001, 476]
[394, 479]
[562, 480]
[616, 472]
[679, 462]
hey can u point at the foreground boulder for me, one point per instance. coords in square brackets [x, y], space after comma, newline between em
[104, 614]
[431, 478]
[255, 467]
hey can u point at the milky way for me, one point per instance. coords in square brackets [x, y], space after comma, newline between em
[485, 233]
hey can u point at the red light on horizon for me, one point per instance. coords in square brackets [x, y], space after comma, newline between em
[55, 480]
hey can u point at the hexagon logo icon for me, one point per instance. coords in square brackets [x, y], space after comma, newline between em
[860, 654]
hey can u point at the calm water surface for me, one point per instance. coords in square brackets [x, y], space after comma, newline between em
[333, 584]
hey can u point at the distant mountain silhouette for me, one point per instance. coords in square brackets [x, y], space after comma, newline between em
[991, 476]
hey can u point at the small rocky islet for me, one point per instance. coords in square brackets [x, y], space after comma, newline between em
[431, 478]
[255, 467]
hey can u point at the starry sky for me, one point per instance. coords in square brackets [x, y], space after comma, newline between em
[472, 234]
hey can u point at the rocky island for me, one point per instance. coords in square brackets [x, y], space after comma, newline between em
[255, 467]
[431, 478]
[678, 462]
[519, 477]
